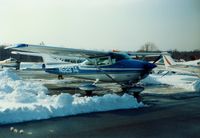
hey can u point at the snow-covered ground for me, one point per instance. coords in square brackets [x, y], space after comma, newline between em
[191, 83]
[27, 100]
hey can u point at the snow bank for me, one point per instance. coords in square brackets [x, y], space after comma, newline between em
[187, 82]
[24, 101]
[196, 85]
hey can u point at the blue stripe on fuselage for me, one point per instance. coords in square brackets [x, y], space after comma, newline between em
[123, 66]
[88, 71]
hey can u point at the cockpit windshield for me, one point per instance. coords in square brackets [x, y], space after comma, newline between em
[119, 56]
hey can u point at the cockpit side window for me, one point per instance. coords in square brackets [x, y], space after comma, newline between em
[106, 60]
[102, 61]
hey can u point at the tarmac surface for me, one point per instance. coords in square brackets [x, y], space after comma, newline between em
[165, 115]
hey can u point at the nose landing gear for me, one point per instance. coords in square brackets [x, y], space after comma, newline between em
[88, 88]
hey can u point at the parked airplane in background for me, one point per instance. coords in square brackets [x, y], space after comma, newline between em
[190, 67]
[10, 62]
[97, 66]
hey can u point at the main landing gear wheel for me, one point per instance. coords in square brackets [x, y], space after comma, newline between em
[135, 91]
[60, 77]
[88, 93]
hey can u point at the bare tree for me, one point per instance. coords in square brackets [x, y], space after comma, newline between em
[148, 47]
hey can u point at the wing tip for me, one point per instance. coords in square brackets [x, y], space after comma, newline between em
[17, 46]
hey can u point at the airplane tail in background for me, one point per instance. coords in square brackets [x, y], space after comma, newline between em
[168, 60]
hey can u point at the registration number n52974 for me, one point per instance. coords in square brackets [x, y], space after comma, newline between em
[69, 69]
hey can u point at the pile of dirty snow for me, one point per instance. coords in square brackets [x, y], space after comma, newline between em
[24, 101]
[191, 83]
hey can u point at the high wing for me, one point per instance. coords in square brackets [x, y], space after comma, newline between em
[52, 59]
[71, 52]
[61, 51]
[146, 54]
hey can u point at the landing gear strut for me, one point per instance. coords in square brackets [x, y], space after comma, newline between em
[134, 90]
[137, 96]
[18, 65]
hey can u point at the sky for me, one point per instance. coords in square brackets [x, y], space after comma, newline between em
[102, 24]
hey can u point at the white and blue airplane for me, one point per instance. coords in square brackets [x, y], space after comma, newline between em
[98, 66]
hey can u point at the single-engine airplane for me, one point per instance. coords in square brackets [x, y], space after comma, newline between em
[98, 66]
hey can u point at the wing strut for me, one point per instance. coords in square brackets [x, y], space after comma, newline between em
[109, 76]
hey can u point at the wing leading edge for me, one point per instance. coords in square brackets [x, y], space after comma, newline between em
[62, 51]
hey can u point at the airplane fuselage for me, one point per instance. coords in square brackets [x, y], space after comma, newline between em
[121, 71]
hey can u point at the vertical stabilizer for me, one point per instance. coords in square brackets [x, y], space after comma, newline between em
[168, 60]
